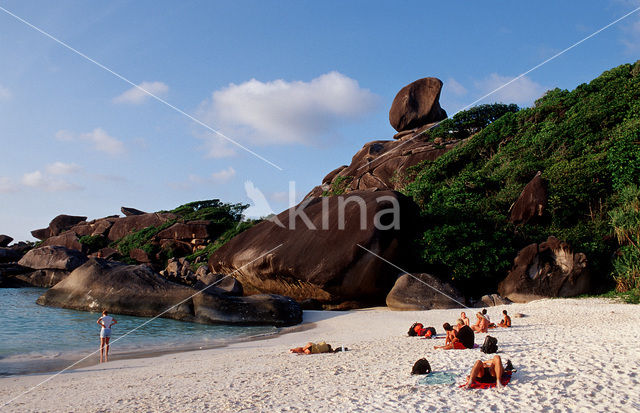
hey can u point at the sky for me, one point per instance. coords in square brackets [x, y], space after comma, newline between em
[263, 94]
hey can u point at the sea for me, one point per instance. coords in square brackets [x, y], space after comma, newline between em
[38, 339]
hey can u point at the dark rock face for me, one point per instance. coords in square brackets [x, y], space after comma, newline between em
[417, 104]
[137, 290]
[429, 293]
[8, 273]
[53, 258]
[126, 225]
[531, 203]
[380, 165]
[43, 278]
[140, 256]
[5, 240]
[549, 269]
[67, 239]
[58, 225]
[131, 211]
[324, 263]
[225, 284]
[9, 255]
[186, 231]
[492, 300]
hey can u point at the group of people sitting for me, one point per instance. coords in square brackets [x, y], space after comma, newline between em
[462, 336]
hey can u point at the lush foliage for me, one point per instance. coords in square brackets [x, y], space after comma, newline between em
[466, 123]
[141, 239]
[93, 242]
[585, 143]
[339, 185]
[222, 239]
[625, 220]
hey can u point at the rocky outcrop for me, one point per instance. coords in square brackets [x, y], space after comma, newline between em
[131, 211]
[5, 240]
[417, 292]
[8, 273]
[9, 255]
[67, 239]
[382, 165]
[124, 226]
[492, 300]
[531, 203]
[312, 251]
[42, 278]
[58, 225]
[549, 269]
[417, 104]
[137, 290]
[53, 258]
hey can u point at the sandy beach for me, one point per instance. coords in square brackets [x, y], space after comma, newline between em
[571, 355]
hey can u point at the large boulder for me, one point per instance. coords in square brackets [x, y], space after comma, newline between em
[186, 231]
[382, 165]
[9, 255]
[138, 290]
[67, 239]
[8, 273]
[53, 258]
[531, 203]
[99, 226]
[5, 240]
[57, 226]
[417, 292]
[549, 269]
[319, 255]
[127, 211]
[417, 104]
[43, 278]
[127, 225]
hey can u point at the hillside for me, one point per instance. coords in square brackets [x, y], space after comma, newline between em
[584, 142]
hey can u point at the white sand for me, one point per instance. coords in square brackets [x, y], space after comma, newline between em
[571, 355]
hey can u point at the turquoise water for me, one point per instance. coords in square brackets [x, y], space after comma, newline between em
[34, 338]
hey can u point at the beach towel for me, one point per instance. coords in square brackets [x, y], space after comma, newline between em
[506, 378]
[438, 377]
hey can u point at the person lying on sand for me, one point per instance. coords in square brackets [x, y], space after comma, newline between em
[506, 320]
[486, 372]
[481, 325]
[457, 340]
[316, 348]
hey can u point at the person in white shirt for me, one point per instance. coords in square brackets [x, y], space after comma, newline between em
[106, 321]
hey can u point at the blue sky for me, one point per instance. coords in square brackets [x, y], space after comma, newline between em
[304, 84]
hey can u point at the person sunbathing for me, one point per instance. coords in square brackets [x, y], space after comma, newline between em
[463, 317]
[486, 372]
[313, 348]
[457, 340]
[506, 320]
[481, 325]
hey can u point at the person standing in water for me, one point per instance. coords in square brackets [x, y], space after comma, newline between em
[106, 321]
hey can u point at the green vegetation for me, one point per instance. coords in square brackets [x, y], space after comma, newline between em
[93, 242]
[221, 240]
[339, 185]
[586, 144]
[224, 222]
[625, 219]
[466, 123]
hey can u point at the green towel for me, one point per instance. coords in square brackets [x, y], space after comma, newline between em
[438, 377]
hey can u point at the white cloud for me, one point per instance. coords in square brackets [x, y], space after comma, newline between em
[61, 168]
[281, 112]
[7, 186]
[219, 177]
[37, 179]
[135, 96]
[222, 176]
[5, 94]
[98, 137]
[455, 87]
[523, 91]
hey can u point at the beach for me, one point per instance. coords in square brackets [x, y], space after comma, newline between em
[570, 355]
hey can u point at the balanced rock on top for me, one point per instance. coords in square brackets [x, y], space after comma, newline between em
[417, 104]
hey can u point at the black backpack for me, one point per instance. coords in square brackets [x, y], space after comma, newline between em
[421, 366]
[490, 345]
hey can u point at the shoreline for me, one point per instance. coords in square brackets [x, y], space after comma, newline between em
[67, 362]
[571, 354]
